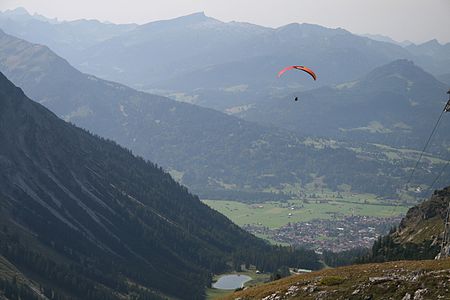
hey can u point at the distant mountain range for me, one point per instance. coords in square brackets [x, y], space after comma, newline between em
[65, 37]
[83, 218]
[220, 64]
[216, 64]
[216, 155]
[384, 38]
[439, 54]
[395, 104]
[198, 45]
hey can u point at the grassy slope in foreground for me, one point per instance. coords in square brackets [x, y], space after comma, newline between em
[427, 279]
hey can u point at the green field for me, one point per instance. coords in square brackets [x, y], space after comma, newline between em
[277, 214]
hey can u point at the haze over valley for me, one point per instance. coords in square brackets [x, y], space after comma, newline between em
[144, 161]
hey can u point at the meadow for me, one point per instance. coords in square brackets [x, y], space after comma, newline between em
[321, 206]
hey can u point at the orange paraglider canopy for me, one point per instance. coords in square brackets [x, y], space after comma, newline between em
[301, 68]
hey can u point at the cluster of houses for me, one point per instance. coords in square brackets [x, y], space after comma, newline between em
[345, 233]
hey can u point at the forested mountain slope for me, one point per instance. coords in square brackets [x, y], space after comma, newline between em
[87, 219]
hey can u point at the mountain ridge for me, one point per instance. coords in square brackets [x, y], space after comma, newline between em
[259, 42]
[162, 130]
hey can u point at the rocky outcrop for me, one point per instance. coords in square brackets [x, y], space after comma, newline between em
[406, 280]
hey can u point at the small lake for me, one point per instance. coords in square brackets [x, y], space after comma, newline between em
[231, 282]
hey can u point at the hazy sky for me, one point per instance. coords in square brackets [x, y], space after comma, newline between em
[415, 20]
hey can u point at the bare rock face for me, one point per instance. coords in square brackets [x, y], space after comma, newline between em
[435, 207]
[407, 296]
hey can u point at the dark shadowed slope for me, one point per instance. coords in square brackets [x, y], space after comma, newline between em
[85, 218]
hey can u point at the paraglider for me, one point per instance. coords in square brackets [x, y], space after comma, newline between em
[301, 68]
